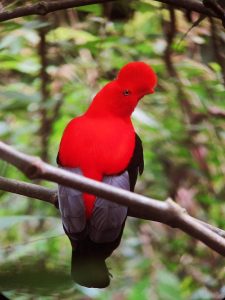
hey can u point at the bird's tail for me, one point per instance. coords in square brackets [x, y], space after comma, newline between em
[88, 267]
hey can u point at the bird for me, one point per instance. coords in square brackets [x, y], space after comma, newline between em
[102, 145]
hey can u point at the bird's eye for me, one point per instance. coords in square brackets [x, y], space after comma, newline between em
[126, 92]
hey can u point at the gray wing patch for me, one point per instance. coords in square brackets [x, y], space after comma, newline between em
[71, 207]
[108, 217]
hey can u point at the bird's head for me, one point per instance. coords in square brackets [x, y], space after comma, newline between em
[120, 96]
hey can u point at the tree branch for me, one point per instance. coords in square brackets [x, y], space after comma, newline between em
[191, 5]
[216, 111]
[28, 189]
[50, 195]
[44, 7]
[46, 125]
[218, 46]
[216, 8]
[167, 212]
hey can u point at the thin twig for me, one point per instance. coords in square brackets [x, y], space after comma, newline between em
[45, 127]
[28, 189]
[218, 47]
[217, 111]
[167, 212]
[191, 5]
[216, 8]
[47, 119]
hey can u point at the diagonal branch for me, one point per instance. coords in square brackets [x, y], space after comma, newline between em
[216, 8]
[167, 212]
[50, 195]
[28, 189]
[191, 5]
[44, 7]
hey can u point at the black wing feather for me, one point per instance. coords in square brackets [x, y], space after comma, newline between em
[136, 164]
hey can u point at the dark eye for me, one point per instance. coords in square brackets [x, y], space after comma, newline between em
[126, 92]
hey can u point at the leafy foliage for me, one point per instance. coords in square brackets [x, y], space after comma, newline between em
[184, 150]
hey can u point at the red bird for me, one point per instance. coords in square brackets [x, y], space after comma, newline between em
[102, 145]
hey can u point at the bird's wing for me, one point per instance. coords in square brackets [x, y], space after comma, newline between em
[71, 206]
[136, 164]
[107, 217]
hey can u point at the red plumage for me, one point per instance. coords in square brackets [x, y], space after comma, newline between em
[101, 142]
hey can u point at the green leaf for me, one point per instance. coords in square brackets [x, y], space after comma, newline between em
[168, 286]
[66, 33]
[140, 290]
[95, 9]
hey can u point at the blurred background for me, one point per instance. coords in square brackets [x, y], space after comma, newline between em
[50, 69]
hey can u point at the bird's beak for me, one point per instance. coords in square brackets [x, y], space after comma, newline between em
[148, 91]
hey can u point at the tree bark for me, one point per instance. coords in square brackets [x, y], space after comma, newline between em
[44, 7]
